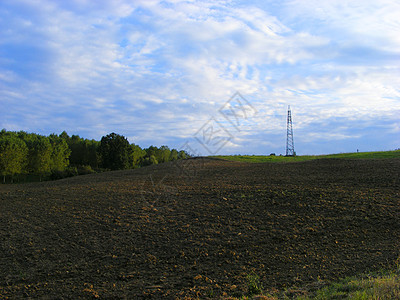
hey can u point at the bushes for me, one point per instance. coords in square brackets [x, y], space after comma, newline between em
[254, 285]
[71, 171]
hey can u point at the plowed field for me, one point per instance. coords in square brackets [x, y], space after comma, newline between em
[197, 228]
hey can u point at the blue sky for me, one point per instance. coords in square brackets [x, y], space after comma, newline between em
[168, 72]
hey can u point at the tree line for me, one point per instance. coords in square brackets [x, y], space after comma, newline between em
[25, 154]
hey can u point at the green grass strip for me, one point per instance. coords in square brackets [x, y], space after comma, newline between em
[271, 158]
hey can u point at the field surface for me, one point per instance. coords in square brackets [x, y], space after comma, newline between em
[198, 228]
[279, 158]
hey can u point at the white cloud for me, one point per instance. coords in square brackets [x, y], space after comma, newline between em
[360, 22]
[168, 66]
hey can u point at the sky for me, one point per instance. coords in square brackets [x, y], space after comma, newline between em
[209, 77]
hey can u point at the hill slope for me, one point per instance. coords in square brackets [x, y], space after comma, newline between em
[299, 158]
[198, 228]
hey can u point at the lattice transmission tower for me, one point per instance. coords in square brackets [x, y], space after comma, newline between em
[289, 136]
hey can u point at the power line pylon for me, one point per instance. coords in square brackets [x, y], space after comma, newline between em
[289, 136]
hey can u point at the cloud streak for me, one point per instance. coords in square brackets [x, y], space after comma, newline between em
[156, 71]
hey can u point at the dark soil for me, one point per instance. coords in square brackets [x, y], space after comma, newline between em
[197, 228]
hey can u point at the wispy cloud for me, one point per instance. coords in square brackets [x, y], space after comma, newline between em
[156, 71]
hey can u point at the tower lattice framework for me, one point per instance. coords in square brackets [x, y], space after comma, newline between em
[289, 136]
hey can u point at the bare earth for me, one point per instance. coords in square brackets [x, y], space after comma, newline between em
[197, 228]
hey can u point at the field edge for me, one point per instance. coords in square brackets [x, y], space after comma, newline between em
[300, 158]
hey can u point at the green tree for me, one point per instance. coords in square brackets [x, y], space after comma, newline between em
[182, 155]
[92, 157]
[165, 153]
[13, 155]
[75, 144]
[60, 153]
[153, 160]
[114, 150]
[173, 155]
[149, 160]
[152, 150]
[64, 135]
[153, 156]
[84, 152]
[136, 155]
[3, 132]
[40, 151]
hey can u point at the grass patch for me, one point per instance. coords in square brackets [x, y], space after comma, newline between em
[384, 286]
[271, 158]
[254, 286]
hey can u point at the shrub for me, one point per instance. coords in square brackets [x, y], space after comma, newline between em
[69, 172]
[254, 286]
[83, 170]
